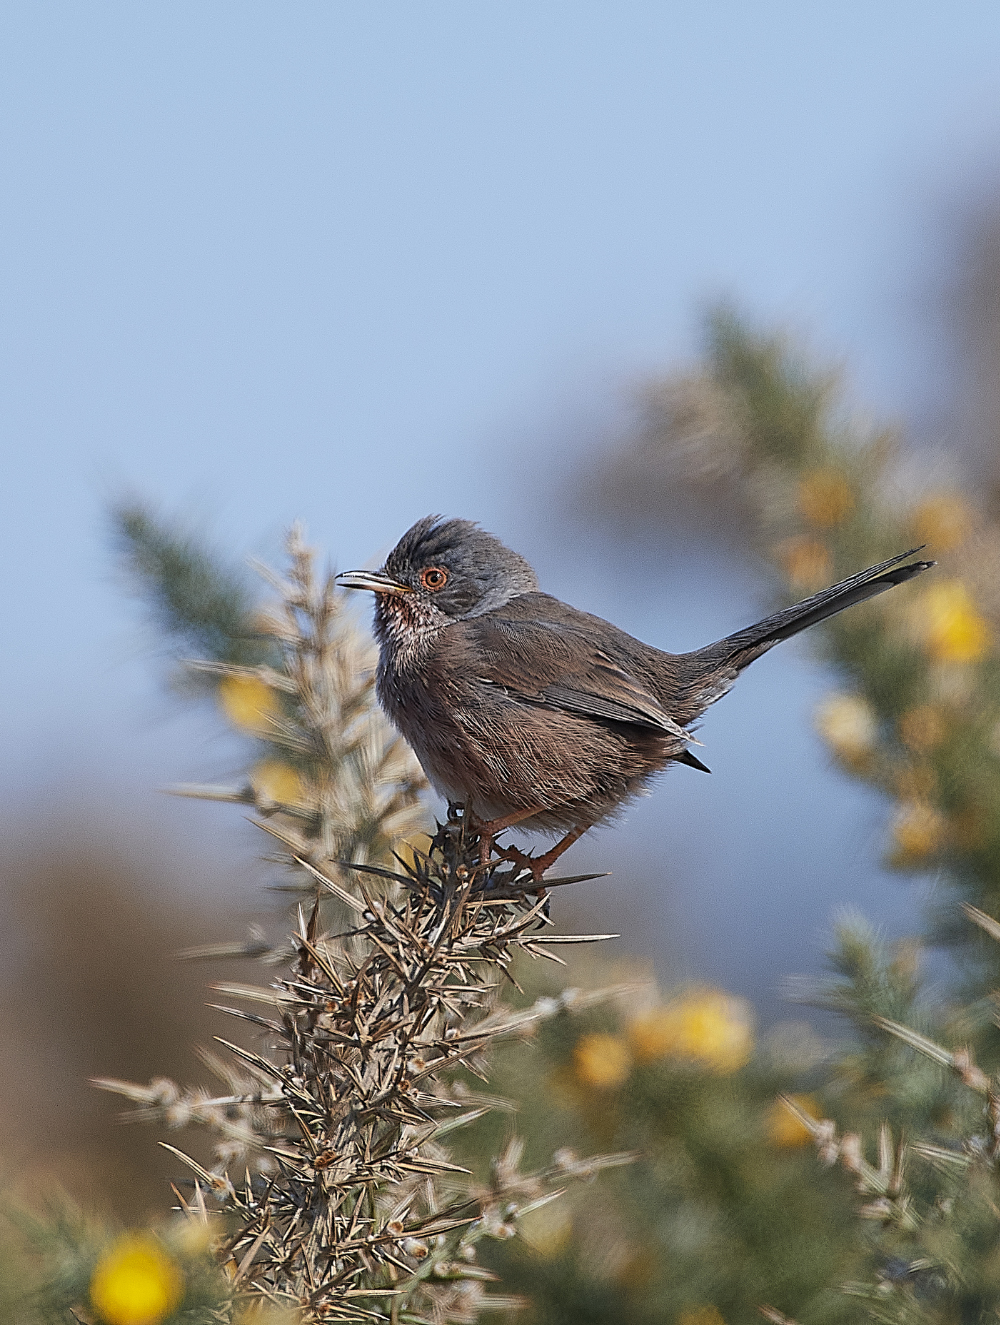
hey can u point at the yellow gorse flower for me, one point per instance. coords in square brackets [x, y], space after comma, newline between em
[601, 1060]
[707, 1315]
[653, 1034]
[407, 849]
[784, 1129]
[274, 780]
[919, 830]
[548, 1229]
[942, 522]
[706, 1026]
[806, 562]
[249, 704]
[849, 725]
[136, 1282]
[952, 629]
[825, 497]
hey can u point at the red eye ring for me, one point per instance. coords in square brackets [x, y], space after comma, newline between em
[434, 578]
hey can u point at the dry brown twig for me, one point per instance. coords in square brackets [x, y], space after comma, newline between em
[347, 1205]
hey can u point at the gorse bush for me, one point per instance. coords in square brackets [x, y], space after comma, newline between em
[918, 712]
[915, 715]
[334, 1190]
[414, 1089]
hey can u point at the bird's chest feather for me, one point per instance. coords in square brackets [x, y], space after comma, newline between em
[406, 630]
[428, 688]
[412, 688]
[487, 743]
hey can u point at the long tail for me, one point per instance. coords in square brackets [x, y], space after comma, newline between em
[713, 669]
[826, 603]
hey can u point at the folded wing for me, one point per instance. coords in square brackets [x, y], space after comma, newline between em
[559, 665]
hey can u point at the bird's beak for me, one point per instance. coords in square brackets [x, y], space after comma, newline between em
[375, 580]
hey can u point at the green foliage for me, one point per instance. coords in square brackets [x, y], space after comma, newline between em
[783, 406]
[195, 600]
[932, 1189]
[722, 1212]
[822, 495]
[58, 1260]
[726, 1220]
[728, 1208]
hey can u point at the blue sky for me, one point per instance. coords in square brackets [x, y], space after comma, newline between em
[352, 263]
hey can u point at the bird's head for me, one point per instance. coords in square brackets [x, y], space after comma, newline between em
[447, 569]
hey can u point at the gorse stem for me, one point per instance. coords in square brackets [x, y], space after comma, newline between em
[348, 1207]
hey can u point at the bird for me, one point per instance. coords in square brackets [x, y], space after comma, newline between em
[527, 711]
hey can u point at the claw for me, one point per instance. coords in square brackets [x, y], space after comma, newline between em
[537, 865]
[522, 861]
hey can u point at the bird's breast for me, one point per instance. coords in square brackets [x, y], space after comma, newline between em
[499, 751]
[406, 630]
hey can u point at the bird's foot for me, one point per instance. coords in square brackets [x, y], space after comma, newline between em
[521, 860]
[488, 830]
[537, 865]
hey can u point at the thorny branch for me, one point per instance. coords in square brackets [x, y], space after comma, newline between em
[348, 1206]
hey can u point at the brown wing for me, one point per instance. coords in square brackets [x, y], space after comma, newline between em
[558, 664]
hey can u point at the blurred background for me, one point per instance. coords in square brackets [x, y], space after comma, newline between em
[351, 265]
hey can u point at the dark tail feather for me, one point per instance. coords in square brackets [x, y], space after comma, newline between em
[692, 761]
[755, 640]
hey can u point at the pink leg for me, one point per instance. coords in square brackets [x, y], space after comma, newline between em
[489, 829]
[539, 865]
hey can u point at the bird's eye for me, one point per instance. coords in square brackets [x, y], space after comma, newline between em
[434, 577]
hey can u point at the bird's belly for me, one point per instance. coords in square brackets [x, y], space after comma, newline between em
[501, 756]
